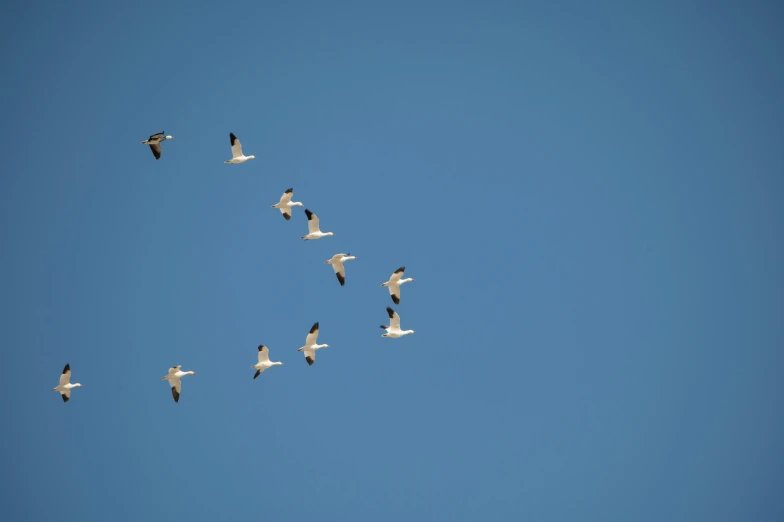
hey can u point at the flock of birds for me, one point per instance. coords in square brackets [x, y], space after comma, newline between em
[285, 205]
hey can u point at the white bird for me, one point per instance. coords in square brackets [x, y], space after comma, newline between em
[337, 264]
[174, 376]
[311, 346]
[313, 227]
[393, 330]
[65, 385]
[285, 204]
[155, 143]
[394, 284]
[264, 361]
[236, 151]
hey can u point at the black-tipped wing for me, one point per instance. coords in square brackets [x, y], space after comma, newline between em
[258, 372]
[236, 146]
[65, 397]
[175, 386]
[395, 298]
[394, 319]
[310, 360]
[397, 275]
[312, 335]
[286, 213]
[65, 377]
[156, 150]
[341, 279]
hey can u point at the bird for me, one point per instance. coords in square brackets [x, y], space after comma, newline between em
[394, 284]
[264, 361]
[65, 385]
[393, 330]
[311, 346]
[174, 376]
[313, 227]
[337, 264]
[285, 204]
[236, 151]
[155, 143]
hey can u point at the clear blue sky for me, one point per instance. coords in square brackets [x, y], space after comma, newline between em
[587, 195]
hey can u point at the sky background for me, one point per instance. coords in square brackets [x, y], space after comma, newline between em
[586, 194]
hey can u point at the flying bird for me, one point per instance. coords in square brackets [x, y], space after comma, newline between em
[65, 385]
[313, 227]
[393, 330]
[264, 361]
[337, 264]
[285, 204]
[311, 346]
[236, 151]
[174, 376]
[155, 143]
[394, 284]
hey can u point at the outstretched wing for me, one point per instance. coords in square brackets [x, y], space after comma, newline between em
[156, 150]
[394, 319]
[310, 356]
[313, 221]
[286, 213]
[236, 146]
[312, 337]
[66, 395]
[157, 136]
[286, 197]
[394, 291]
[65, 377]
[340, 272]
[397, 275]
[263, 353]
[175, 386]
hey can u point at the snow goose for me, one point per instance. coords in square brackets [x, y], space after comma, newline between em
[264, 361]
[285, 204]
[394, 284]
[236, 151]
[393, 330]
[65, 385]
[313, 227]
[311, 346]
[174, 376]
[155, 143]
[337, 264]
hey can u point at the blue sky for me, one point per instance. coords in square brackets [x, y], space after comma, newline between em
[586, 197]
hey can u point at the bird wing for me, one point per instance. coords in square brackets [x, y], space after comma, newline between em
[394, 319]
[236, 146]
[65, 377]
[286, 213]
[340, 272]
[156, 150]
[66, 395]
[313, 221]
[175, 386]
[312, 337]
[157, 136]
[174, 369]
[310, 356]
[286, 197]
[394, 291]
[397, 274]
[263, 353]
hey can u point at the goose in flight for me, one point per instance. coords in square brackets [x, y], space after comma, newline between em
[311, 346]
[285, 204]
[174, 376]
[65, 385]
[236, 151]
[264, 361]
[155, 143]
[393, 330]
[394, 284]
[313, 227]
[337, 264]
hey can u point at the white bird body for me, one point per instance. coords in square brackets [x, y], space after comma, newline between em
[337, 264]
[314, 232]
[393, 330]
[236, 151]
[394, 284]
[174, 376]
[264, 361]
[155, 141]
[65, 385]
[285, 204]
[311, 346]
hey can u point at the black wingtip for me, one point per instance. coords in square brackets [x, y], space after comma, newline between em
[289, 191]
[67, 368]
[261, 347]
[395, 299]
[286, 216]
[310, 360]
[314, 328]
[308, 213]
[390, 312]
[383, 327]
[401, 269]
[175, 394]
[258, 372]
[65, 398]
[341, 279]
